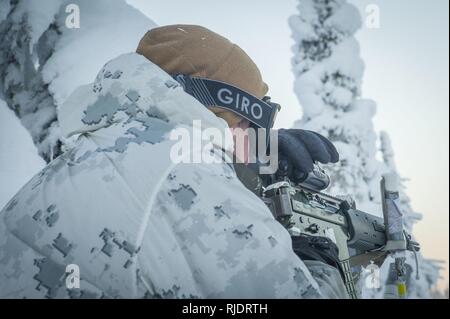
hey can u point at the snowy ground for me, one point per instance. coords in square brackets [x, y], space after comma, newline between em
[19, 160]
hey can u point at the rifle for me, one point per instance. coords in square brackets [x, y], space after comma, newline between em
[360, 237]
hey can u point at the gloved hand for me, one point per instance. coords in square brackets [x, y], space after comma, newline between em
[299, 150]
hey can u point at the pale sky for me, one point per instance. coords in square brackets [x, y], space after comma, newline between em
[406, 74]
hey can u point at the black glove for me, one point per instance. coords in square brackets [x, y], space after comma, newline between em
[299, 150]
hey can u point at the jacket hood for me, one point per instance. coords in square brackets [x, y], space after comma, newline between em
[130, 86]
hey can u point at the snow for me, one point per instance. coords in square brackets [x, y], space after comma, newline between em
[332, 105]
[346, 59]
[4, 9]
[107, 29]
[66, 60]
[39, 14]
[329, 72]
[346, 19]
[19, 160]
[45, 60]
[301, 29]
[308, 12]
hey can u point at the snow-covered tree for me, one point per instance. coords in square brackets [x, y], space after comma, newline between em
[43, 58]
[328, 71]
[328, 75]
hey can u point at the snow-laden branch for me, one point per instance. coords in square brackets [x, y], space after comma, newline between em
[43, 59]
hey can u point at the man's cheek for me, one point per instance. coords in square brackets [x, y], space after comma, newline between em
[241, 144]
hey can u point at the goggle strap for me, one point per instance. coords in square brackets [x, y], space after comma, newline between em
[220, 94]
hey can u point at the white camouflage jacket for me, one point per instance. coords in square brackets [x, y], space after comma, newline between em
[134, 223]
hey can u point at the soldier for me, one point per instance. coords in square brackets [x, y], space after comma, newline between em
[115, 216]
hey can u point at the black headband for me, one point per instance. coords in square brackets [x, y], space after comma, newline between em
[210, 93]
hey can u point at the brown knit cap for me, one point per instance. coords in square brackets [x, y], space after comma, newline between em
[196, 51]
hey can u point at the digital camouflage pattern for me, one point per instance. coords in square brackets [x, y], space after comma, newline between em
[137, 224]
